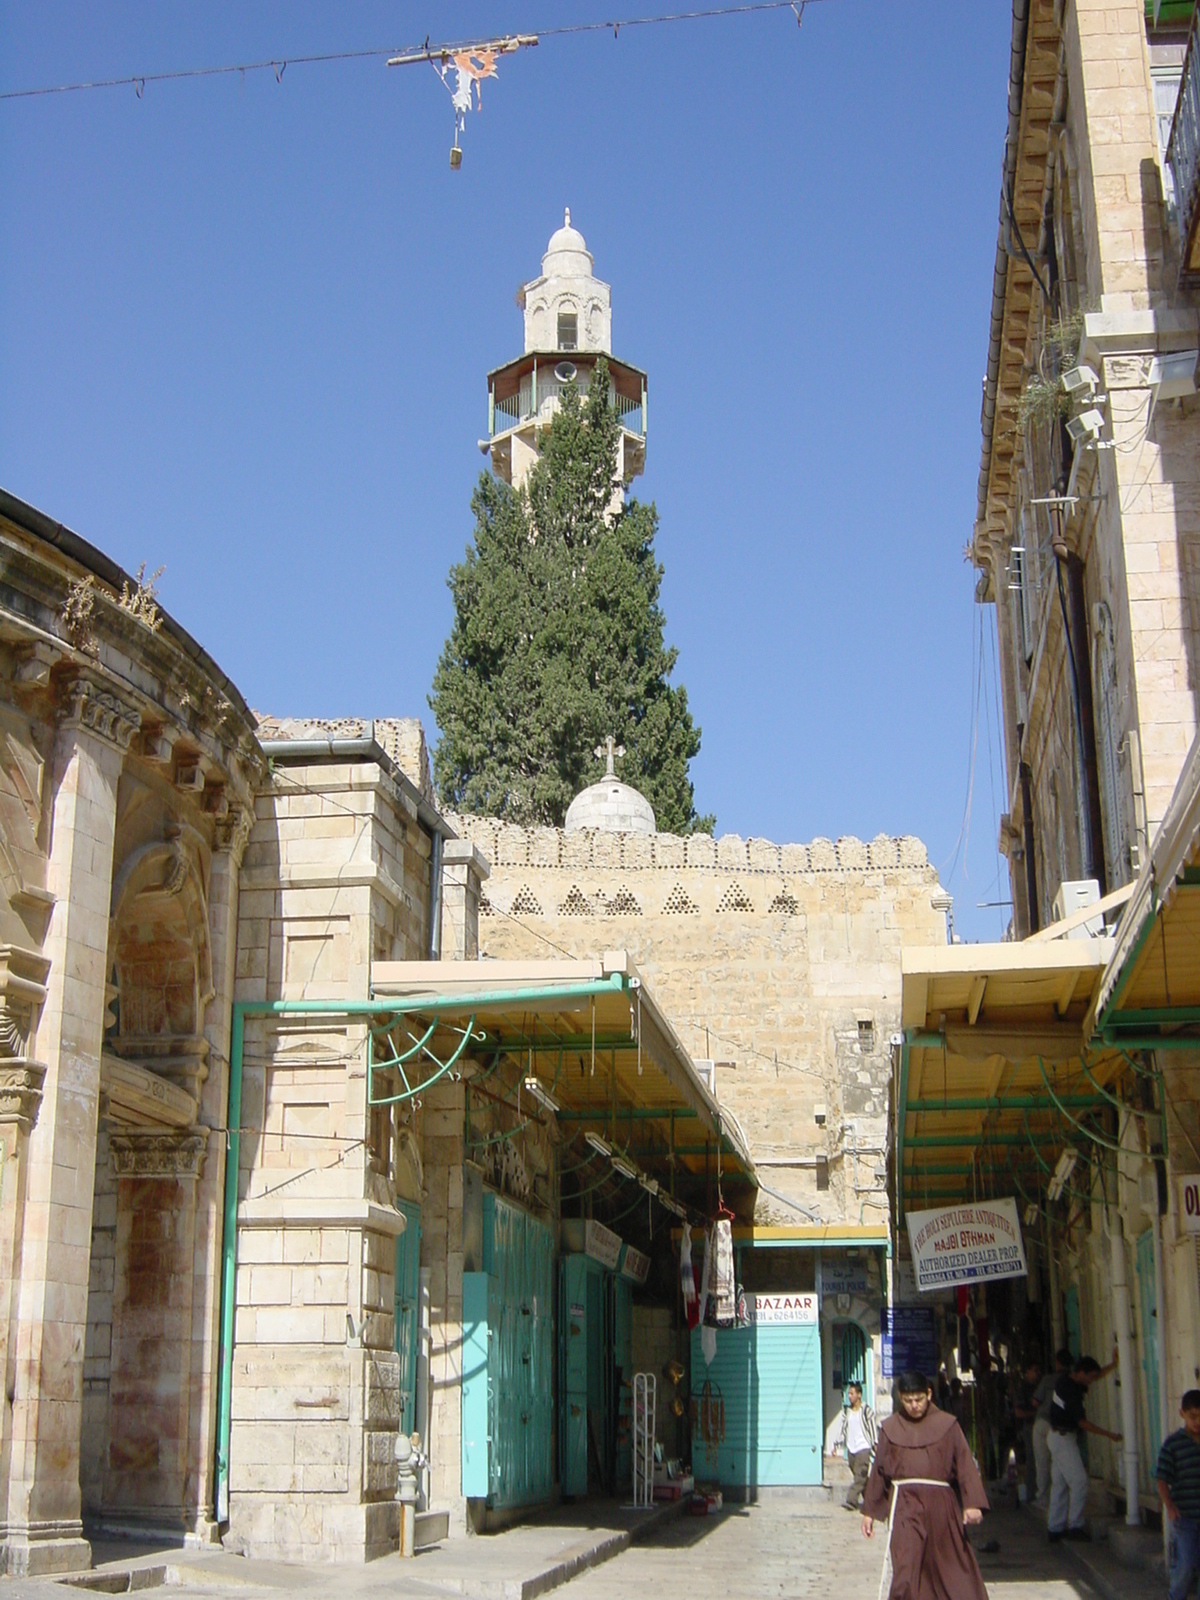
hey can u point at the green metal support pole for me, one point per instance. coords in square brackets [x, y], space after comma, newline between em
[233, 1141]
[397, 1006]
[934, 1141]
[1011, 1102]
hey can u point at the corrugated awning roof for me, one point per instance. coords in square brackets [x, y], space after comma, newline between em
[600, 1046]
[996, 1075]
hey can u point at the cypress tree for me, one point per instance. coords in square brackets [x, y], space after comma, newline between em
[557, 639]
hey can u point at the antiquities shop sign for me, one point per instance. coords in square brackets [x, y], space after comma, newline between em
[966, 1244]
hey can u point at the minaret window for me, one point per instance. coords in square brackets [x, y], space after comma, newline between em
[568, 330]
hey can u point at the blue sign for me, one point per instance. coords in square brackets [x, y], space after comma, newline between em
[909, 1341]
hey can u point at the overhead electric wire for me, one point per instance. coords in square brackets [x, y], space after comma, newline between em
[421, 52]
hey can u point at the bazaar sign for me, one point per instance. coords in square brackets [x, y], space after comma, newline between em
[793, 1308]
[966, 1244]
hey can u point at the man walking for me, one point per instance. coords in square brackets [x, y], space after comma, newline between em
[926, 1483]
[1068, 1475]
[857, 1438]
[1178, 1476]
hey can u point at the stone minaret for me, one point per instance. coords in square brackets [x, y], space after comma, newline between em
[568, 324]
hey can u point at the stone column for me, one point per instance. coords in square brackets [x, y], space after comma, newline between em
[20, 1097]
[44, 1530]
[232, 832]
[464, 869]
[150, 1384]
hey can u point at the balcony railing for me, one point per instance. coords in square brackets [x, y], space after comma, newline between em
[520, 407]
[1183, 154]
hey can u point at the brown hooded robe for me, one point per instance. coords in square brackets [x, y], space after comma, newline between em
[931, 1559]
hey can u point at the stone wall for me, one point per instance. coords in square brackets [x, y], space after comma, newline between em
[781, 963]
[335, 876]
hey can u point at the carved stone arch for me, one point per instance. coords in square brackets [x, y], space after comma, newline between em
[160, 960]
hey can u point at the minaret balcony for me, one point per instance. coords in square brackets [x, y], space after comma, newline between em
[526, 393]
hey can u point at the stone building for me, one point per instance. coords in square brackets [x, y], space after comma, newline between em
[128, 766]
[1063, 1062]
[1088, 522]
[779, 966]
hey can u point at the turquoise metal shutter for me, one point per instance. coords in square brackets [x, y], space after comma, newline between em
[573, 1374]
[408, 1299]
[768, 1380]
[518, 1257]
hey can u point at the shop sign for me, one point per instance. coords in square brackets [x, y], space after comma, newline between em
[909, 1340]
[844, 1277]
[602, 1244]
[966, 1244]
[635, 1265]
[793, 1308]
[1189, 1204]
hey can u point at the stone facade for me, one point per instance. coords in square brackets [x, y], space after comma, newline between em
[336, 875]
[780, 963]
[1090, 552]
[1087, 176]
[127, 767]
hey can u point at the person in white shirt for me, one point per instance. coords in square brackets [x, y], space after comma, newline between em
[857, 1437]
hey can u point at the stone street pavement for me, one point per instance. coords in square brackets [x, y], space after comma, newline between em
[792, 1545]
[795, 1547]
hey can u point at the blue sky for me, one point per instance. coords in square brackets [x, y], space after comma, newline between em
[245, 326]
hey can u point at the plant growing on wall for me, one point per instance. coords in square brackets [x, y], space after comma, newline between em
[1043, 399]
[557, 639]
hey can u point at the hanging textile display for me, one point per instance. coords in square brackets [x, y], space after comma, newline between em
[706, 1277]
[724, 1286]
[687, 1279]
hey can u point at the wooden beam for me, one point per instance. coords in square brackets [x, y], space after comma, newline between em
[1067, 993]
[975, 999]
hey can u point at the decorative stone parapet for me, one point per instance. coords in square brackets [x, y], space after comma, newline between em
[96, 707]
[159, 1155]
[507, 845]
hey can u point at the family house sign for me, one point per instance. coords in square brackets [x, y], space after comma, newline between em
[966, 1244]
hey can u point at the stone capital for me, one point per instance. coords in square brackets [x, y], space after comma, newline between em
[97, 708]
[159, 1155]
[20, 1092]
[231, 832]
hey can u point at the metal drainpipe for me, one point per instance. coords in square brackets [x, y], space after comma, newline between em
[1125, 1369]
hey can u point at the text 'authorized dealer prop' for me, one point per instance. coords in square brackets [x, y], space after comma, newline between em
[966, 1244]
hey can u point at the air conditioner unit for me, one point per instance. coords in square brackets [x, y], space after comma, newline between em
[1073, 896]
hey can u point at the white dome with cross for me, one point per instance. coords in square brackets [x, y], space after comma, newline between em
[610, 806]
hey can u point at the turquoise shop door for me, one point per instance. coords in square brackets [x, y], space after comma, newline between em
[1149, 1309]
[408, 1300]
[764, 1395]
[508, 1344]
[574, 1365]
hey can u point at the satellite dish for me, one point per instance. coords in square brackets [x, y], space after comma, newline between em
[565, 371]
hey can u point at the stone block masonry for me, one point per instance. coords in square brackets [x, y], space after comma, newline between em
[779, 963]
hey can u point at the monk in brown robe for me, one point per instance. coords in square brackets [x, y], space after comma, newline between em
[930, 1556]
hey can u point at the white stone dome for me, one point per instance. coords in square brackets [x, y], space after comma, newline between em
[610, 806]
[567, 254]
